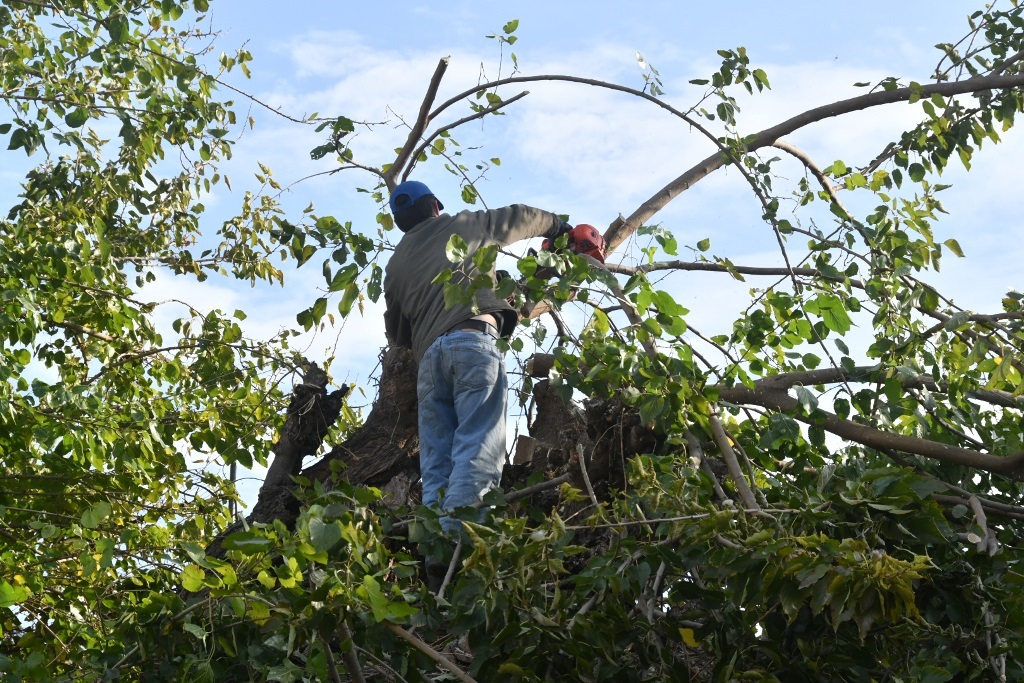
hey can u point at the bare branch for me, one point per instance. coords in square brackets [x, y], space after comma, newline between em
[819, 175]
[694, 450]
[82, 329]
[1010, 61]
[478, 115]
[355, 670]
[672, 520]
[443, 661]
[993, 507]
[719, 268]
[776, 398]
[621, 229]
[733, 464]
[452, 567]
[586, 475]
[866, 373]
[422, 120]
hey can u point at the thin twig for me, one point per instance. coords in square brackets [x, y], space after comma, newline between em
[429, 651]
[670, 520]
[537, 488]
[455, 124]
[332, 666]
[511, 497]
[389, 673]
[355, 670]
[733, 464]
[697, 452]
[456, 556]
[586, 476]
[594, 598]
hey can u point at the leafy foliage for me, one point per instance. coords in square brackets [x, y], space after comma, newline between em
[828, 490]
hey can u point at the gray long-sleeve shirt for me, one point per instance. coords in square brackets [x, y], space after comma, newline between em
[416, 312]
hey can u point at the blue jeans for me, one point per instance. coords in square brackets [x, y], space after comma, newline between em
[461, 390]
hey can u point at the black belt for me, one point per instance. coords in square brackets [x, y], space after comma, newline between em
[477, 325]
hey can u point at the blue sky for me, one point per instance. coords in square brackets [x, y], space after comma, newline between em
[576, 150]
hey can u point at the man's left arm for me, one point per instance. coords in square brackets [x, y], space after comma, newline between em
[396, 326]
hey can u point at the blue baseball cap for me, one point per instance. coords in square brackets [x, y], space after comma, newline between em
[405, 195]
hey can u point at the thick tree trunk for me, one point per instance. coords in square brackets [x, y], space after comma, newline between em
[586, 447]
[384, 451]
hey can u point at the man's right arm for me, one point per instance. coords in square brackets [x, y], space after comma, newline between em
[510, 224]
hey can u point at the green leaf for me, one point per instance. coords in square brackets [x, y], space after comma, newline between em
[929, 299]
[348, 298]
[117, 25]
[456, 249]
[195, 629]
[811, 361]
[933, 674]
[319, 309]
[704, 244]
[510, 27]
[832, 312]
[95, 515]
[77, 118]
[192, 577]
[374, 287]
[954, 247]
[484, 258]
[12, 595]
[371, 592]
[761, 78]
[808, 401]
[651, 409]
[324, 535]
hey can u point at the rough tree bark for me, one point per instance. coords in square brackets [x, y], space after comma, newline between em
[384, 451]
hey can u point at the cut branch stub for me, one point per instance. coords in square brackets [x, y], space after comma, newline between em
[312, 412]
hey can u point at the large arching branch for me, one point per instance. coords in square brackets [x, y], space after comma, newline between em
[455, 124]
[731, 270]
[866, 373]
[775, 398]
[622, 228]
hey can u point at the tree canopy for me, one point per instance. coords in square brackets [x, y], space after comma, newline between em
[831, 490]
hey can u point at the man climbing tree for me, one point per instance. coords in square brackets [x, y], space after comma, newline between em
[461, 384]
